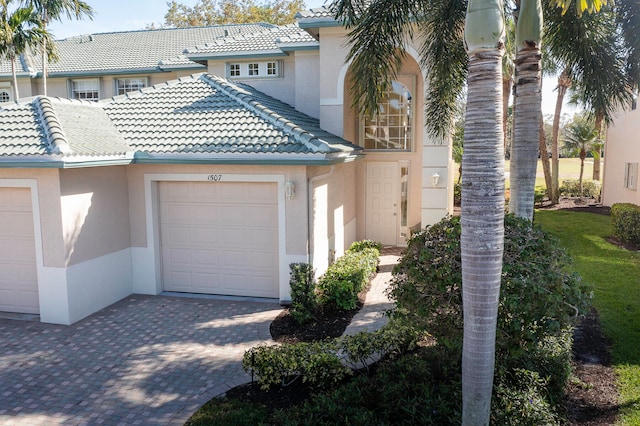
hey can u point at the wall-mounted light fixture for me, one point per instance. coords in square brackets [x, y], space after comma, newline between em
[435, 178]
[289, 189]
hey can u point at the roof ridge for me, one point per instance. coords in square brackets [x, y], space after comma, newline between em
[77, 36]
[58, 143]
[301, 135]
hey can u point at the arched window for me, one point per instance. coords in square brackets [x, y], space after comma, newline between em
[392, 127]
[5, 96]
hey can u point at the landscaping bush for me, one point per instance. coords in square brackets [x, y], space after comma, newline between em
[625, 219]
[279, 365]
[538, 296]
[359, 246]
[319, 364]
[344, 279]
[303, 292]
[539, 195]
[421, 388]
[571, 188]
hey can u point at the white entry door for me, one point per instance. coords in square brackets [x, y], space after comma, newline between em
[382, 202]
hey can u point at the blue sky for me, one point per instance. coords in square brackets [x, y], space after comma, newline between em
[127, 15]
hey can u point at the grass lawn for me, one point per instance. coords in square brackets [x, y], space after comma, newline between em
[615, 276]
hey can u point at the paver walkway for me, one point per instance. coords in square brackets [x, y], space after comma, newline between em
[148, 360]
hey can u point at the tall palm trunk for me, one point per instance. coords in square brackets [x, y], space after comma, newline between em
[16, 95]
[507, 83]
[528, 112]
[597, 152]
[583, 155]
[45, 58]
[482, 213]
[564, 82]
[544, 159]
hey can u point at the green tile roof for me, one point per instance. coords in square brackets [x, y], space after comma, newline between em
[195, 119]
[269, 42]
[129, 51]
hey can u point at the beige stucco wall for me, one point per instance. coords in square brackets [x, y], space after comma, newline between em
[58, 86]
[307, 91]
[622, 146]
[95, 212]
[333, 195]
[295, 209]
[282, 88]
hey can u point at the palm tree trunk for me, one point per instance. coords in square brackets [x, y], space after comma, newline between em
[544, 159]
[506, 93]
[597, 153]
[526, 139]
[482, 239]
[583, 155]
[16, 95]
[564, 82]
[44, 64]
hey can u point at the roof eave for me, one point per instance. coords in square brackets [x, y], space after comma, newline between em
[307, 23]
[246, 159]
[236, 55]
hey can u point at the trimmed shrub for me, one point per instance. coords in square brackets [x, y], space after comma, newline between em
[539, 195]
[571, 188]
[344, 279]
[280, 365]
[303, 292]
[625, 219]
[359, 246]
[538, 296]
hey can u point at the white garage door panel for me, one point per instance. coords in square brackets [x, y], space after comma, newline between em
[18, 273]
[219, 238]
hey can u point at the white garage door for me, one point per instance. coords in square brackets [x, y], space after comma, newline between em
[18, 274]
[219, 238]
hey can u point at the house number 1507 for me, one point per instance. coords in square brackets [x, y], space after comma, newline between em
[214, 178]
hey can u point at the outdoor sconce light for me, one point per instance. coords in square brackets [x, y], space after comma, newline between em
[435, 178]
[289, 189]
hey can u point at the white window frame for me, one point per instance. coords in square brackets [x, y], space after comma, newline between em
[88, 82]
[234, 70]
[631, 176]
[254, 69]
[384, 128]
[129, 84]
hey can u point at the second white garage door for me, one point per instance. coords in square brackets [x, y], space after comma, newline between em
[219, 238]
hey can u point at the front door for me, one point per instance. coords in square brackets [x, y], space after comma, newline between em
[382, 202]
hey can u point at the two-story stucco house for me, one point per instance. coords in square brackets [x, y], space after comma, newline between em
[622, 155]
[208, 183]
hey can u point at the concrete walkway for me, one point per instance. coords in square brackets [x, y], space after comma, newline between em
[371, 316]
[146, 360]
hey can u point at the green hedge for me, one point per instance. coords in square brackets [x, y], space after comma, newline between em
[625, 218]
[345, 278]
[571, 188]
[303, 292]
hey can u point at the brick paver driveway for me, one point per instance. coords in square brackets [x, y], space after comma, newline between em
[144, 360]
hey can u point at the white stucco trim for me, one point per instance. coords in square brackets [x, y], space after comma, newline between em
[339, 99]
[147, 273]
[32, 184]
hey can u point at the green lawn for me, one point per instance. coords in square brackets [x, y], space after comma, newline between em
[615, 275]
[569, 168]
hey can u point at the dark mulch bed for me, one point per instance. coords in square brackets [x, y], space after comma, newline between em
[592, 399]
[328, 323]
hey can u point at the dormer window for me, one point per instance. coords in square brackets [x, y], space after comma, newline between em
[266, 69]
[5, 96]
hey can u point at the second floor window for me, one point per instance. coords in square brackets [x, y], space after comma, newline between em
[126, 85]
[246, 70]
[88, 89]
[234, 70]
[392, 127]
[254, 69]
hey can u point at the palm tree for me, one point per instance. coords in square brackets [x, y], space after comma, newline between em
[596, 69]
[55, 9]
[528, 112]
[580, 138]
[19, 30]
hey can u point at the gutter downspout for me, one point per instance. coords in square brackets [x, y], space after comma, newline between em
[310, 183]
